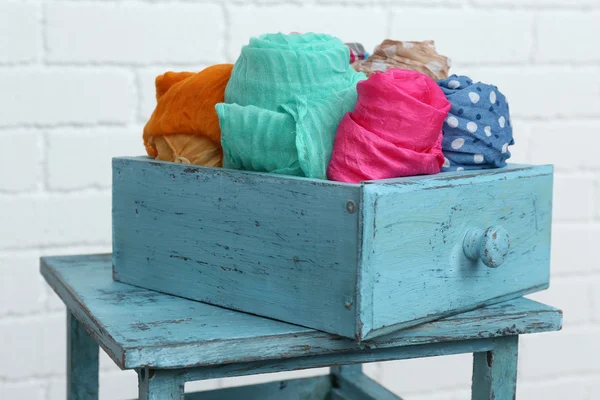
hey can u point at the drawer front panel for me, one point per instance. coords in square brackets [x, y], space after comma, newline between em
[417, 265]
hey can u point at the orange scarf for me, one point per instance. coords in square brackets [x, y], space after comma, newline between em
[184, 127]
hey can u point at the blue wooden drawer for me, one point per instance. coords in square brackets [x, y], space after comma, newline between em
[355, 260]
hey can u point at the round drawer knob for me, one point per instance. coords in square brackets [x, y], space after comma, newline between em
[490, 245]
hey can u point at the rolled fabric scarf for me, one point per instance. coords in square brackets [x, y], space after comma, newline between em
[395, 129]
[184, 127]
[283, 103]
[478, 130]
[357, 52]
[417, 56]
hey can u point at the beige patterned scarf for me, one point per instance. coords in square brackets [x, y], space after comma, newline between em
[418, 56]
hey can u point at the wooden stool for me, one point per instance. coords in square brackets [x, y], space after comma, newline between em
[170, 341]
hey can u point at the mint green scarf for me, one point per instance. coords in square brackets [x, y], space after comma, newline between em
[283, 103]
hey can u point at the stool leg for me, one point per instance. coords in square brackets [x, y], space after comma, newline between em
[156, 384]
[346, 369]
[495, 371]
[82, 362]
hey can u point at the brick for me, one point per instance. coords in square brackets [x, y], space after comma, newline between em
[21, 32]
[366, 25]
[57, 389]
[554, 389]
[573, 197]
[569, 352]
[54, 344]
[574, 248]
[573, 296]
[574, 90]
[21, 285]
[53, 302]
[441, 395]
[595, 294]
[447, 3]
[94, 149]
[31, 352]
[118, 385]
[538, 4]
[134, 32]
[597, 197]
[473, 36]
[594, 390]
[106, 363]
[563, 144]
[66, 95]
[373, 370]
[146, 78]
[81, 218]
[578, 46]
[75, 250]
[22, 390]
[21, 161]
[24, 350]
[408, 376]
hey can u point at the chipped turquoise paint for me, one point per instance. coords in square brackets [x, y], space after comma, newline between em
[495, 371]
[245, 241]
[413, 252]
[171, 340]
[359, 260]
[82, 362]
[160, 384]
[314, 388]
[491, 246]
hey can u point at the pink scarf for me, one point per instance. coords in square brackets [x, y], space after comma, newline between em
[395, 129]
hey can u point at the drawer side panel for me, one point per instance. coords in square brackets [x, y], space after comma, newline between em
[278, 247]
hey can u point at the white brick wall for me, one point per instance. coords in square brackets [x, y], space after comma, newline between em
[497, 37]
[49, 96]
[21, 33]
[133, 32]
[76, 87]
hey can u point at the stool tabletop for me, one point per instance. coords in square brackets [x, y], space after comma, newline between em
[143, 328]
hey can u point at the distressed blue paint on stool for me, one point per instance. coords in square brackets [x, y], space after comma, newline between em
[82, 362]
[169, 341]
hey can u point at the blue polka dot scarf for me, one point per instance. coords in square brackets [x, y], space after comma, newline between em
[478, 131]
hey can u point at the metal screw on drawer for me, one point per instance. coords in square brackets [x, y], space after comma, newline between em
[350, 207]
[490, 246]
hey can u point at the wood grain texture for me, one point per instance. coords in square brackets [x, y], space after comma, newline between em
[160, 384]
[359, 261]
[82, 362]
[340, 358]
[495, 371]
[313, 388]
[346, 369]
[139, 327]
[273, 246]
[413, 265]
